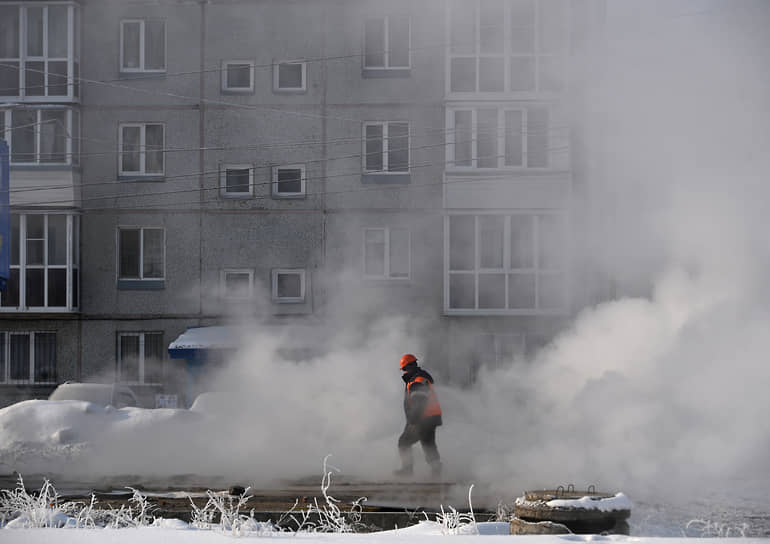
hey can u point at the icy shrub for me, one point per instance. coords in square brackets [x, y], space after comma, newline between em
[326, 517]
[455, 523]
[20, 509]
[230, 517]
[136, 514]
[714, 529]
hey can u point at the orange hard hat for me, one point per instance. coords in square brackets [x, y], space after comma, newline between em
[408, 359]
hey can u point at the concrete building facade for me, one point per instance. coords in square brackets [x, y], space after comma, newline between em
[180, 164]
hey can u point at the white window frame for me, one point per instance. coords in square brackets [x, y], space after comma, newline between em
[142, 150]
[6, 356]
[141, 68]
[386, 147]
[72, 58]
[225, 87]
[502, 133]
[303, 180]
[386, 22]
[141, 253]
[71, 266]
[142, 361]
[387, 275]
[223, 180]
[223, 282]
[507, 55]
[274, 281]
[71, 130]
[507, 269]
[276, 76]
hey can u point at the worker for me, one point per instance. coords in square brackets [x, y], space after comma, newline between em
[423, 415]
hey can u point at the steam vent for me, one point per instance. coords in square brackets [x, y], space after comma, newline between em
[564, 511]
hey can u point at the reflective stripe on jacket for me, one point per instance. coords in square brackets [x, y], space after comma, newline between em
[432, 407]
[420, 401]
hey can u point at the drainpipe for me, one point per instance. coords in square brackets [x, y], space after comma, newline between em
[201, 153]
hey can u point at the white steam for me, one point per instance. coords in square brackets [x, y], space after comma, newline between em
[663, 388]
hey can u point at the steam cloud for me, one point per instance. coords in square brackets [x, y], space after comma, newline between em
[662, 388]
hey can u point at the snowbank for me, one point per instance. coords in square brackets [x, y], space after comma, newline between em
[604, 504]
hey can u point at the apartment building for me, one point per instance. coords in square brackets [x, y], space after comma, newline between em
[290, 165]
[40, 119]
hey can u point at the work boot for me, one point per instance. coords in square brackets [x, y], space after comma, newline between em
[407, 462]
[404, 471]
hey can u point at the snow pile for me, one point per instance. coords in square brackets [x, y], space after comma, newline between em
[84, 439]
[603, 504]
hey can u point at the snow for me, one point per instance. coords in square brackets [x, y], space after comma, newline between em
[603, 504]
[207, 337]
[34, 432]
[423, 533]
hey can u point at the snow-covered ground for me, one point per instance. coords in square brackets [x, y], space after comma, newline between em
[424, 533]
[71, 437]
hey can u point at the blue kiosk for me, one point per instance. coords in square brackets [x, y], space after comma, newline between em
[202, 348]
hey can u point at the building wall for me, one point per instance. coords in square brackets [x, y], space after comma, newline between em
[320, 127]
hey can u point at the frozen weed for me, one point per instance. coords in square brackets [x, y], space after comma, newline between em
[326, 517]
[231, 519]
[19, 508]
[504, 511]
[714, 529]
[456, 523]
[135, 514]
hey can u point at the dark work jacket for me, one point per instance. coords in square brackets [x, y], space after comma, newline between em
[420, 401]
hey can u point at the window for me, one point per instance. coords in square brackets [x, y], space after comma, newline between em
[44, 255]
[513, 46]
[141, 253]
[512, 264]
[142, 45]
[387, 43]
[28, 357]
[499, 137]
[141, 149]
[290, 76]
[387, 253]
[236, 180]
[41, 135]
[288, 285]
[386, 146]
[238, 76]
[39, 51]
[140, 357]
[289, 180]
[237, 284]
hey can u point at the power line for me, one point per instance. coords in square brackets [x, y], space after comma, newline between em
[140, 76]
[410, 149]
[491, 174]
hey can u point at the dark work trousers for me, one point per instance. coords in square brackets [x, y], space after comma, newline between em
[426, 435]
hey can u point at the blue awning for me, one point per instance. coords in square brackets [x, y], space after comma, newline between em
[194, 343]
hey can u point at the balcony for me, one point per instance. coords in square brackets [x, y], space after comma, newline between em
[39, 52]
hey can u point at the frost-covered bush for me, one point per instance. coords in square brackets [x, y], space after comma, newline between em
[18, 508]
[326, 516]
[21, 509]
[714, 529]
[230, 517]
[456, 523]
